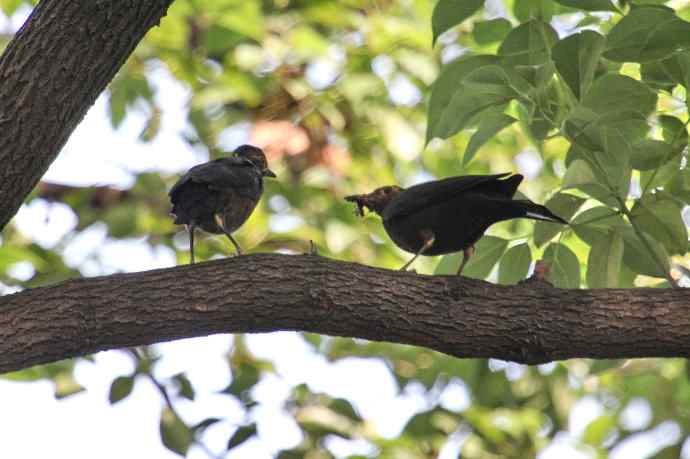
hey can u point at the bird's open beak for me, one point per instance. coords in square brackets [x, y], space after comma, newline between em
[268, 173]
[359, 200]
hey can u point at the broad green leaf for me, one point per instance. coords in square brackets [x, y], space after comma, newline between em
[446, 86]
[679, 186]
[8, 7]
[449, 13]
[659, 215]
[649, 154]
[638, 257]
[524, 10]
[528, 44]
[491, 31]
[564, 266]
[599, 430]
[490, 124]
[604, 262]
[673, 131]
[595, 223]
[514, 264]
[242, 434]
[619, 93]
[562, 204]
[581, 176]
[175, 435]
[647, 33]
[659, 177]
[576, 57]
[120, 388]
[589, 5]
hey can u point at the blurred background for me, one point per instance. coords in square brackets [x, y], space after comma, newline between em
[336, 93]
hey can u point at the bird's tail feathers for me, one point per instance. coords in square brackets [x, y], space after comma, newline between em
[538, 212]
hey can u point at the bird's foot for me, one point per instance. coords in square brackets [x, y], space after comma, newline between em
[313, 250]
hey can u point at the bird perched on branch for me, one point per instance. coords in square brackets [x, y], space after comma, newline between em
[448, 215]
[220, 195]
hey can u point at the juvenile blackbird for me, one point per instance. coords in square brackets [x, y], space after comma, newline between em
[219, 196]
[448, 215]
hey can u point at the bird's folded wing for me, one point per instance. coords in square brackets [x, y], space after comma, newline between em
[431, 193]
[232, 172]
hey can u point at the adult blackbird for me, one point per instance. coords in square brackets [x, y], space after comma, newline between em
[219, 196]
[448, 215]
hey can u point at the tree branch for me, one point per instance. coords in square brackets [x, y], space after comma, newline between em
[52, 72]
[532, 322]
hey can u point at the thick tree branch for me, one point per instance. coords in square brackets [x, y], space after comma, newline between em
[532, 322]
[52, 72]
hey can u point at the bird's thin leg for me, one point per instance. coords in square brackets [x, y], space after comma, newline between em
[191, 242]
[466, 254]
[428, 243]
[220, 223]
[234, 242]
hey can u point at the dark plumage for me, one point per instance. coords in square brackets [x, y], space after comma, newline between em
[448, 215]
[219, 196]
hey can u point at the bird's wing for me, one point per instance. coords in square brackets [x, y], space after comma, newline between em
[431, 193]
[231, 172]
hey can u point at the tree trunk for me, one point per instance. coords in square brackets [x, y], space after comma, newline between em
[51, 73]
[532, 322]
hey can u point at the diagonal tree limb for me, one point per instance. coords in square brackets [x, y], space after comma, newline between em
[51, 73]
[531, 322]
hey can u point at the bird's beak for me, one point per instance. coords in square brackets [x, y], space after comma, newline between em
[358, 199]
[268, 173]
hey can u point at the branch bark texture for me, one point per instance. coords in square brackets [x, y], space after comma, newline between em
[52, 72]
[532, 322]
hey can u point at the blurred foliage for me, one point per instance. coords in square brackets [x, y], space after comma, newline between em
[587, 98]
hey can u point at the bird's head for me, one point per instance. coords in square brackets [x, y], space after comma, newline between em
[256, 156]
[375, 201]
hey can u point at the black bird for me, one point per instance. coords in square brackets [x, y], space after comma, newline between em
[448, 215]
[219, 196]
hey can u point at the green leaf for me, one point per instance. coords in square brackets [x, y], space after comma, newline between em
[488, 251]
[447, 86]
[184, 386]
[589, 5]
[175, 435]
[649, 154]
[564, 269]
[449, 13]
[673, 131]
[659, 215]
[515, 264]
[604, 262]
[638, 257]
[581, 176]
[599, 430]
[612, 93]
[8, 7]
[120, 388]
[241, 435]
[576, 58]
[595, 223]
[647, 33]
[490, 124]
[562, 204]
[524, 10]
[491, 31]
[528, 44]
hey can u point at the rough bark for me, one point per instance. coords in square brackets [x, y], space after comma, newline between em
[52, 72]
[531, 322]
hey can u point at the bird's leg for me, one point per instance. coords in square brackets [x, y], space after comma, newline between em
[466, 254]
[221, 225]
[234, 242]
[191, 242]
[428, 242]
